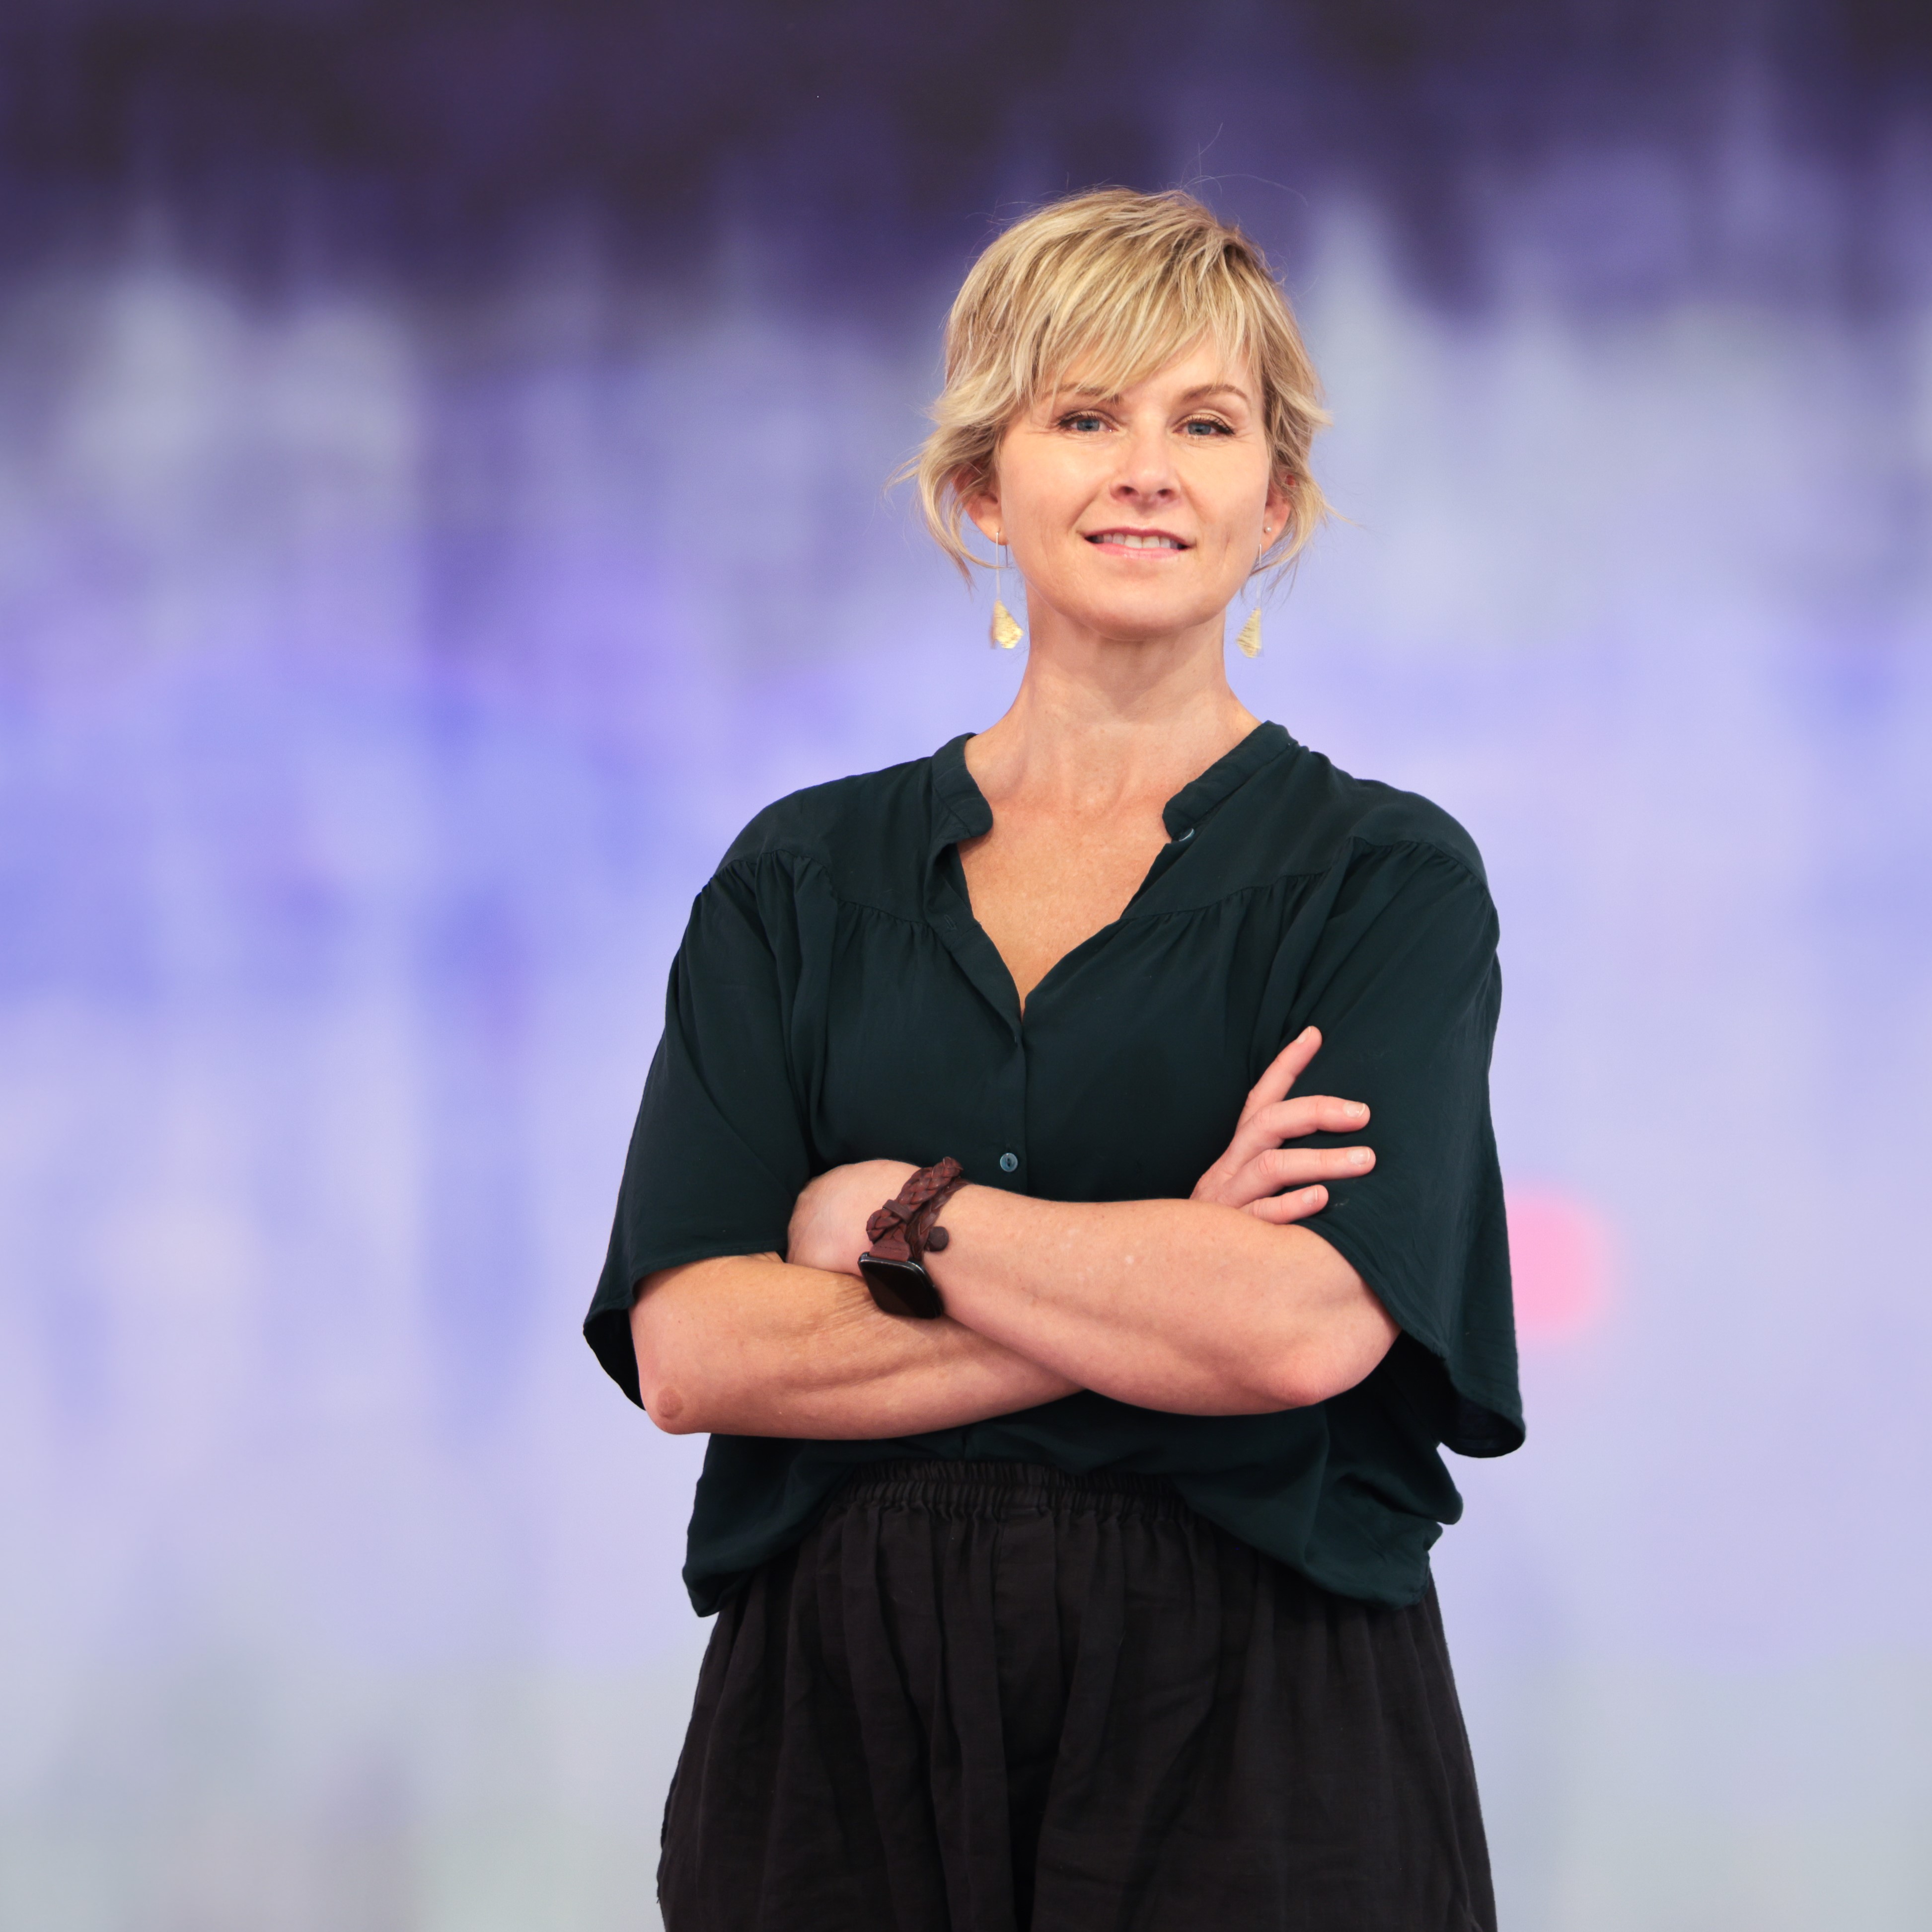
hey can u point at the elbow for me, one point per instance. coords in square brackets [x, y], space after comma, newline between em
[673, 1395]
[666, 1405]
[1298, 1387]
[1341, 1356]
[670, 1388]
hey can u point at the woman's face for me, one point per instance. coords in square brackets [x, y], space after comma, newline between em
[1138, 514]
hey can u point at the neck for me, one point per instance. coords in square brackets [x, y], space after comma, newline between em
[1098, 720]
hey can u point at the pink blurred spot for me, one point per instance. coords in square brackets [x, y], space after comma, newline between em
[1560, 1259]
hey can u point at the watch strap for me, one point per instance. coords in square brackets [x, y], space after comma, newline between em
[905, 1227]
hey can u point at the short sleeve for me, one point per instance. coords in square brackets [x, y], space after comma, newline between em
[1405, 987]
[719, 1154]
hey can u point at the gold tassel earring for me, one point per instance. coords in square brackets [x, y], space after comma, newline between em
[1005, 633]
[1248, 638]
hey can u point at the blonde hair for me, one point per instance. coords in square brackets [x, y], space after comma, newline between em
[1119, 284]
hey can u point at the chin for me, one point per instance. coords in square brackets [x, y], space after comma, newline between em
[1136, 623]
[1131, 613]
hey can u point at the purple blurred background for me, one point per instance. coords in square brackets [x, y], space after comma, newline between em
[440, 463]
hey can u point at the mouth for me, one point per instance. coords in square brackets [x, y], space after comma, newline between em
[1136, 542]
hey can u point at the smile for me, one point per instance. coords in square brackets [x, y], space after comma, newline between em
[1136, 539]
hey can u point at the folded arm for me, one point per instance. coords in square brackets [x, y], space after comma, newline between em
[748, 1345]
[1215, 1305]
[1183, 1306]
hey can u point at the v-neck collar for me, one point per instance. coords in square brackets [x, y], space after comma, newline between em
[960, 812]
[1195, 800]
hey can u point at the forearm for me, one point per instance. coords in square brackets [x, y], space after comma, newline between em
[750, 1345]
[1173, 1305]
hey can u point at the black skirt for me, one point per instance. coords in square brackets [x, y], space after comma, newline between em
[984, 1697]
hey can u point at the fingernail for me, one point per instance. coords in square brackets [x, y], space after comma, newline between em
[1358, 1157]
[1357, 1110]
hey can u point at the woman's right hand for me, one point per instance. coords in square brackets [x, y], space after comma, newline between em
[1284, 1184]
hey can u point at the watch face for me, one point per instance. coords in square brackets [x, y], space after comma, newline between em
[901, 1287]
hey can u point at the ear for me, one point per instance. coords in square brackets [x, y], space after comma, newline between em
[985, 512]
[1276, 510]
[983, 507]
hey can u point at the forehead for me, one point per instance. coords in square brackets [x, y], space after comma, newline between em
[1200, 369]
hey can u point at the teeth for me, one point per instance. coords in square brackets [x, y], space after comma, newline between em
[1130, 541]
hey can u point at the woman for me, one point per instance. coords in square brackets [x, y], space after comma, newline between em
[1071, 1560]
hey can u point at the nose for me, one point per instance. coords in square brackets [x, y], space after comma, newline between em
[1146, 474]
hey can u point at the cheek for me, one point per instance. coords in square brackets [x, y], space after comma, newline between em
[1246, 525]
[1049, 488]
[1057, 498]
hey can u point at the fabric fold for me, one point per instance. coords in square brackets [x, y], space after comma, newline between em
[997, 1697]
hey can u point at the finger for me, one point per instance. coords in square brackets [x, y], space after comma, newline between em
[1283, 1070]
[1279, 1167]
[1288, 1120]
[1282, 1209]
[1305, 1113]
[1276, 1168]
[1296, 1167]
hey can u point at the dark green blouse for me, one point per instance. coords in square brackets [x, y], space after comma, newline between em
[836, 1000]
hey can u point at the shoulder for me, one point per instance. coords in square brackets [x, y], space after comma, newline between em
[1395, 884]
[859, 832]
[1322, 816]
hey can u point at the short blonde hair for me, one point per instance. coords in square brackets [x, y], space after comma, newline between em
[1119, 283]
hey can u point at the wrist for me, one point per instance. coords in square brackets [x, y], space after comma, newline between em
[963, 1216]
[972, 1221]
[898, 1234]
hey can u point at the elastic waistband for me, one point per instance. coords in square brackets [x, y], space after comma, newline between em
[944, 1488]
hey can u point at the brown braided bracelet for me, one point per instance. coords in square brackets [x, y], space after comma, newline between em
[901, 1234]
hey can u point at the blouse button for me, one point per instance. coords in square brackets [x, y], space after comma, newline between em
[1008, 1162]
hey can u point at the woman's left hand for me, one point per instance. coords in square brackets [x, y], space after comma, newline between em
[828, 1224]
[1284, 1184]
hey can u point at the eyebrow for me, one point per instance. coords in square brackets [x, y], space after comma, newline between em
[1196, 394]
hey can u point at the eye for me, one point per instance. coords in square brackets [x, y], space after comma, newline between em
[1207, 425]
[1085, 421]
